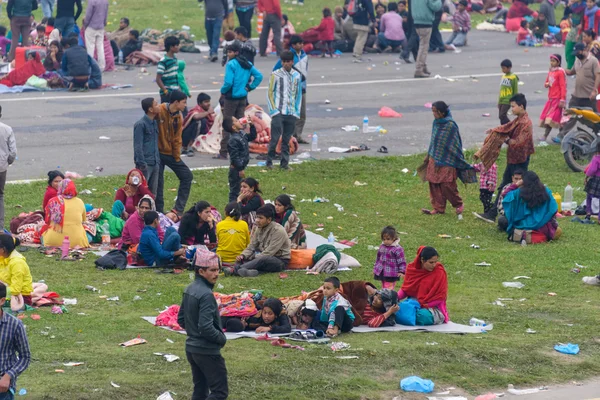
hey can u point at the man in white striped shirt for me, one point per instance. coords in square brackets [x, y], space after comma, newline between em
[284, 98]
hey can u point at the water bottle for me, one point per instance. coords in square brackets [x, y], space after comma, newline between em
[105, 236]
[477, 322]
[366, 124]
[120, 56]
[66, 244]
[314, 144]
[568, 198]
[330, 238]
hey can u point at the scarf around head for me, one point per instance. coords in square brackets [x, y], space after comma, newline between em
[591, 14]
[389, 298]
[150, 199]
[425, 286]
[131, 190]
[55, 209]
[446, 144]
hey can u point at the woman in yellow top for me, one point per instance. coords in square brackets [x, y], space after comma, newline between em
[232, 234]
[65, 215]
[15, 274]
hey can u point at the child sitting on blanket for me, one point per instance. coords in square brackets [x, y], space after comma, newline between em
[382, 309]
[336, 315]
[307, 313]
[272, 318]
[390, 264]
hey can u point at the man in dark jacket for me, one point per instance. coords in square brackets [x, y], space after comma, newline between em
[199, 316]
[145, 144]
[239, 153]
[75, 64]
[361, 19]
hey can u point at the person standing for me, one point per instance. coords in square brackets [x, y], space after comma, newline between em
[214, 13]
[170, 128]
[284, 98]
[93, 24]
[167, 70]
[8, 154]
[66, 17]
[271, 21]
[19, 12]
[423, 14]
[199, 316]
[361, 18]
[47, 7]
[14, 348]
[145, 144]
[245, 10]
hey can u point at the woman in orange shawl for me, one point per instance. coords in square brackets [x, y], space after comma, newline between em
[426, 281]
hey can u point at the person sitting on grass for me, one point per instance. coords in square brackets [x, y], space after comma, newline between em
[250, 200]
[129, 196]
[336, 315]
[427, 282]
[233, 235]
[197, 223]
[269, 248]
[64, 216]
[54, 180]
[271, 318]
[461, 25]
[198, 121]
[75, 64]
[287, 216]
[15, 274]
[133, 44]
[382, 309]
[152, 252]
[15, 348]
[132, 231]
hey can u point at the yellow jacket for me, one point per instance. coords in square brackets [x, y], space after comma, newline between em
[233, 237]
[14, 271]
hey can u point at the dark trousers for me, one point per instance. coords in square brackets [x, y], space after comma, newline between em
[282, 126]
[165, 97]
[20, 27]
[506, 179]
[209, 375]
[266, 264]
[245, 18]
[575, 102]
[185, 177]
[2, 183]
[234, 184]
[412, 45]
[65, 25]
[231, 108]
[115, 48]
[503, 113]
[190, 133]
[302, 120]
[271, 22]
[486, 199]
[342, 321]
[436, 42]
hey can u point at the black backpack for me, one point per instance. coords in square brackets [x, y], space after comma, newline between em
[114, 259]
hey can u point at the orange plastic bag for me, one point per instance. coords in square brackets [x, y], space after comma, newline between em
[301, 258]
[386, 112]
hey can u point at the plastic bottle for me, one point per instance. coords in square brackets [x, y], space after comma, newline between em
[66, 244]
[568, 198]
[366, 124]
[314, 144]
[105, 236]
[120, 56]
[330, 238]
[477, 322]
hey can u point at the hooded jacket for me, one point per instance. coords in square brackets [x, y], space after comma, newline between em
[15, 272]
[423, 11]
[237, 83]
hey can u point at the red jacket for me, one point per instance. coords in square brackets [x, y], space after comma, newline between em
[326, 29]
[270, 7]
[557, 81]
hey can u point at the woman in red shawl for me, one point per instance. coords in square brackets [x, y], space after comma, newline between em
[426, 281]
[128, 197]
[65, 215]
[19, 76]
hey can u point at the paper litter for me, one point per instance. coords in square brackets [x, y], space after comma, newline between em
[520, 392]
[358, 183]
[114, 384]
[168, 357]
[133, 342]
[69, 302]
[521, 277]
[483, 264]
[516, 285]
[529, 330]
[474, 246]
[165, 396]
[73, 364]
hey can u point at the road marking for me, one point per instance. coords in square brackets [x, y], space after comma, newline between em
[324, 84]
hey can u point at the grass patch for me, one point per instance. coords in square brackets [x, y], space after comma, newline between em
[258, 370]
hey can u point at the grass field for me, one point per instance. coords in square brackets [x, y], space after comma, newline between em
[259, 371]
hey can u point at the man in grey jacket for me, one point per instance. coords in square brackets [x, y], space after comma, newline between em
[199, 316]
[145, 144]
[8, 154]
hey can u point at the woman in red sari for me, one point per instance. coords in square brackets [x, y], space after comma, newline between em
[426, 281]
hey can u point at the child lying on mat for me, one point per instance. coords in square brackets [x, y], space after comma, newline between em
[382, 309]
[272, 318]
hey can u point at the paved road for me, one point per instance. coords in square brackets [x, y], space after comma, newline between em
[62, 129]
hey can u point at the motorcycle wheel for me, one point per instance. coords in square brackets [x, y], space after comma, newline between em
[574, 157]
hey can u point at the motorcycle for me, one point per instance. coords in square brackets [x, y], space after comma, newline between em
[579, 145]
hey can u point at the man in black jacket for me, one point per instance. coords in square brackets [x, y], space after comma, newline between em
[239, 153]
[199, 316]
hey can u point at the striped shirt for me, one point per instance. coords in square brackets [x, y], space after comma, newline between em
[285, 93]
[461, 21]
[167, 69]
[13, 340]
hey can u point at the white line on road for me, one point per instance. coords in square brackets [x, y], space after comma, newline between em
[324, 84]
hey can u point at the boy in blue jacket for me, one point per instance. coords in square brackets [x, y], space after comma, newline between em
[150, 248]
[239, 153]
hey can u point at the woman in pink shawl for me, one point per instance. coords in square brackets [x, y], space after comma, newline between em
[132, 231]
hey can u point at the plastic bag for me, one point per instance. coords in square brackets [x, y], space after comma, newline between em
[568, 348]
[416, 384]
[386, 112]
[407, 314]
[36, 82]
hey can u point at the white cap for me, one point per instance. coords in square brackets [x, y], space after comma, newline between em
[310, 305]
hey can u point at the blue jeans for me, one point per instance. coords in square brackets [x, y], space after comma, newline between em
[65, 25]
[213, 30]
[171, 242]
[458, 39]
[7, 396]
[385, 43]
[47, 6]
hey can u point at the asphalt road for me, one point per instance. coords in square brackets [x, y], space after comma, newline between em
[63, 129]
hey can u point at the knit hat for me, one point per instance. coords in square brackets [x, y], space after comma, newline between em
[310, 308]
[388, 298]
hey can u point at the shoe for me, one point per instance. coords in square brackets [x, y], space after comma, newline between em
[289, 169]
[460, 210]
[406, 60]
[388, 49]
[591, 280]
[190, 153]
[487, 218]
[556, 140]
[421, 75]
[302, 141]
[426, 71]
[214, 58]
[430, 212]
[247, 273]
[228, 271]
[220, 157]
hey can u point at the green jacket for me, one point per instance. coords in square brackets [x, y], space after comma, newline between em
[423, 11]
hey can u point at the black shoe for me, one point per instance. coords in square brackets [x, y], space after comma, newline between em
[302, 141]
[214, 58]
[485, 217]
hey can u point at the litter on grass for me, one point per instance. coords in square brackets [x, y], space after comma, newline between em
[521, 392]
[165, 396]
[133, 342]
[168, 357]
[474, 246]
[416, 384]
[339, 346]
[516, 285]
[531, 331]
[73, 364]
[69, 302]
[358, 183]
[447, 398]
[483, 264]
[568, 348]
[521, 277]
[114, 384]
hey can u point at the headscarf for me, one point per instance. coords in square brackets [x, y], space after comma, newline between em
[425, 286]
[55, 209]
[131, 190]
[389, 298]
[150, 199]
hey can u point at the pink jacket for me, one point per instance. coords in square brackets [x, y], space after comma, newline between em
[132, 231]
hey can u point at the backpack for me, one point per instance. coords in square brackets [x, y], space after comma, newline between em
[354, 7]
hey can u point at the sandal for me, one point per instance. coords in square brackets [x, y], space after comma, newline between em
[364, 147]
[263, 337]
[383, 150]
[278, 342]
[430, 212]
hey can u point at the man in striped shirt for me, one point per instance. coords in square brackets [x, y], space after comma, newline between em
[166, 72]
[284, 98]
[13, 341]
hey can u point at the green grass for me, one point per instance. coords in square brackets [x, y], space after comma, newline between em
[259, 371]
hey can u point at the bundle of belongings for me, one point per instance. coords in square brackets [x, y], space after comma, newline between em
[326, 259]
[156, 39]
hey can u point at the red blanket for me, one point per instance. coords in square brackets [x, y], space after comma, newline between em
[19, 76]
[426, 286]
